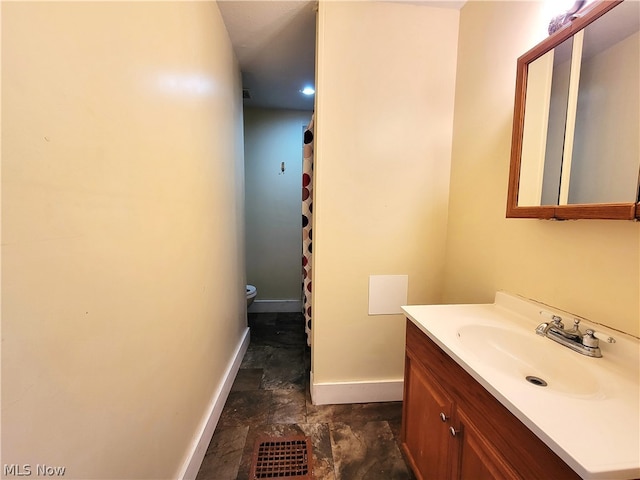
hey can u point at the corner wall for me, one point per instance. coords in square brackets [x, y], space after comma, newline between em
[588, 267]
[386, 76]
[123, 298]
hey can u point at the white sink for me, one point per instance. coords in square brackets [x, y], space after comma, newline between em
[587, 413]
[523, 355]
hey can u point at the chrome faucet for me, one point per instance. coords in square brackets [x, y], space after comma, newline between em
[586, 343]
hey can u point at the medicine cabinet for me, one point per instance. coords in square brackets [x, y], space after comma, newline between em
[575, 150]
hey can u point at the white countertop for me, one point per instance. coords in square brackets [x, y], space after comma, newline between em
[589, 415]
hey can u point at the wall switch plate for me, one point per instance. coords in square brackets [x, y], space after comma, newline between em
[387, 293]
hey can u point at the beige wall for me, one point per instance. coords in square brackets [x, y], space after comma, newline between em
[588, 267]
[385, 83]
[273, 201]
[122, 235]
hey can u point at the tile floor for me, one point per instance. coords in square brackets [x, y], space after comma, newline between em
[270, 396]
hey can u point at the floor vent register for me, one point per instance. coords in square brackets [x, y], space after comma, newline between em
[282, 457]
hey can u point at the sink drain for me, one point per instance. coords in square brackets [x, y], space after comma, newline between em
[536, 381]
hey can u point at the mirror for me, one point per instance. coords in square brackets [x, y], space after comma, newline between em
[575, 149]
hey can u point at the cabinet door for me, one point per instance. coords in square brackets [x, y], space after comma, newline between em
[425, 435]
[477, 458]
[489, 441]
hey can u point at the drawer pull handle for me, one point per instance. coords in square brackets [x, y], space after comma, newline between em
[453, 431]
[443, 417]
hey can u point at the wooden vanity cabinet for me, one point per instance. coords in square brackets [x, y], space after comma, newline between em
[453, 428]
[424, 434]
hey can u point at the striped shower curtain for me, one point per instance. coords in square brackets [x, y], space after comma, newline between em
[307, 225]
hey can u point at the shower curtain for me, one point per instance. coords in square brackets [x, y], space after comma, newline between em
[307, 225]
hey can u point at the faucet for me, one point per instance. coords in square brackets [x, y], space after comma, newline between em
[586, 343]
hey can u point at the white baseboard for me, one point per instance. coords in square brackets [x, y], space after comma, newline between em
[356, 392]
[276, 306]
[202, 438]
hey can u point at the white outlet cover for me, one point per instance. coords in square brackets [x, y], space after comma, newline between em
[387, 293]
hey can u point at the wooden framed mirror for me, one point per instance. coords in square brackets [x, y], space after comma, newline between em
[575, 149]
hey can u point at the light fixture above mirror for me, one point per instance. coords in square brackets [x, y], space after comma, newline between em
[566, 16]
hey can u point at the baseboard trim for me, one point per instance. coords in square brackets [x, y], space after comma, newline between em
[202, 438]
[275, 306]
[356, 392]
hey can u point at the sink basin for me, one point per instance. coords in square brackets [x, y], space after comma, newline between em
[584, 398]
[520, 354]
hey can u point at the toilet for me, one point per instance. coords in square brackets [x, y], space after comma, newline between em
[251, 294]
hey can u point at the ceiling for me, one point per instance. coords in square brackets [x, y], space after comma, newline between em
[274, 41]
[275, 44]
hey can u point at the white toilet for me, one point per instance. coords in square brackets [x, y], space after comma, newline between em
[251, 294]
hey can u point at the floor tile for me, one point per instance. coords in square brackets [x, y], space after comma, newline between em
[288, 406]
[223, 456]
[248, 379]
[246, 408]
[323, 468]
[366, 452]
[270, 397]
[284, 378]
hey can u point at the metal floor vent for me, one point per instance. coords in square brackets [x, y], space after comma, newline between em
[282, 457]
